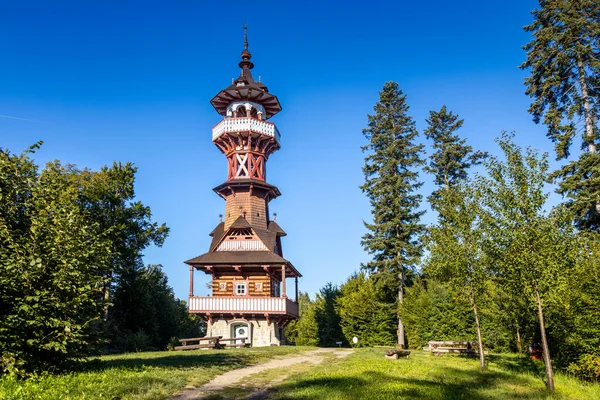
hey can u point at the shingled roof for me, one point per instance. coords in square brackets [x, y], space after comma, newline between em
[237, 258]
[246, 88]
[274, 227]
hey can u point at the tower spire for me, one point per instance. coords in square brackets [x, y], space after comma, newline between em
[246, 56]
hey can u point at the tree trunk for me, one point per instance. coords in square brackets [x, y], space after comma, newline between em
[519, 346]
[589, 124]
[547, 362]
[401, 343]
[479, 342]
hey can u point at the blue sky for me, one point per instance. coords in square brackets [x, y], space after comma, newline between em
[131, 81]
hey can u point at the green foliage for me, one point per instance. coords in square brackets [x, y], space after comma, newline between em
[579, 183]
[363, 315]
[70, 238]
[328, 319]
[391, 181]
[563, 61]
[433, 311]
[565, 77]
[452, 156]
[305, 330]
[587, 367]
[52, 260]
[146, 308]
[291, 329]
[390, 184]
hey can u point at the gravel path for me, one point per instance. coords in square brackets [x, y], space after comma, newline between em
[232, 377]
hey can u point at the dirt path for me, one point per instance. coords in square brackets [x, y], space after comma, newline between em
[230, 378]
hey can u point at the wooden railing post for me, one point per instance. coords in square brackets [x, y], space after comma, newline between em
[296, 279]
[191, 281]
[283, 281]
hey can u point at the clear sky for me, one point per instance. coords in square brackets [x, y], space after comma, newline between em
[100, 81]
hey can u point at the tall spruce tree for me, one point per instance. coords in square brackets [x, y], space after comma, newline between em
[452, 157]
[391, 180]
[563, 58]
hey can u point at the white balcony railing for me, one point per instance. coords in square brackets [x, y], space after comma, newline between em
[250, 305]
[245, 124]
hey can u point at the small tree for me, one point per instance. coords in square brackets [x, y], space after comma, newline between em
[455, 248]
[391, 180]
[532, 250]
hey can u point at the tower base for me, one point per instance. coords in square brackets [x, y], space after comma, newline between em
[258, 331]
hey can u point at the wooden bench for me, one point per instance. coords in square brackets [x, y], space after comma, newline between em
[243, 344]
[213, 343]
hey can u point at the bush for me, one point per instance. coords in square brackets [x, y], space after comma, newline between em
[587, 367]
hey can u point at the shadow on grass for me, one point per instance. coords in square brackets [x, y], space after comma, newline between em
[518, 364]
[453, 384]
[172, 360]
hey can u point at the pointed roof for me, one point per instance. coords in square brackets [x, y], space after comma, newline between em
[240, 223]
[274, 227]
[246, 88]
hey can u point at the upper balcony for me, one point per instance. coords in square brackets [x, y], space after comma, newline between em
[246, 124]
[242, 305]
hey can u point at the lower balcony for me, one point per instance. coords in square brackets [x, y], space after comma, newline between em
[242, 305]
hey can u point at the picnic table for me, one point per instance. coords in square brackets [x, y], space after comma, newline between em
[451, 347]
[210, 342]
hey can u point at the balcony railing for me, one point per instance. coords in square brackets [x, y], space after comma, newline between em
[240, 305]
[245, 124]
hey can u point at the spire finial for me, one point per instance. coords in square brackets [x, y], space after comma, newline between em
[246, 56]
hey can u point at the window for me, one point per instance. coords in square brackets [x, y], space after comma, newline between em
[240, 288]
[275, 288]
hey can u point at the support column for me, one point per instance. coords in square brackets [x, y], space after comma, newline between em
[283, 281]
[296, 279]
[191, 281]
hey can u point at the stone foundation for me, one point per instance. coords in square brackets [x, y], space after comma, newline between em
[261, 333]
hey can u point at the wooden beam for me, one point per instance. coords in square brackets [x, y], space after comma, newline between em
[283, 281]
[191, 281]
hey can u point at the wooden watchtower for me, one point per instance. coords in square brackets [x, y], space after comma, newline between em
[245, 259]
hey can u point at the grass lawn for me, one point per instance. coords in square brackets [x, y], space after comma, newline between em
[154, 375]
[366, 374]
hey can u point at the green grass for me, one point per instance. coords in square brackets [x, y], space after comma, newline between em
[154, 375]
[368, 375]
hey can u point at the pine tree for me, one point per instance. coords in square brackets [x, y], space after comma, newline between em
[565, 87]
[452, 157]
[391, 180]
